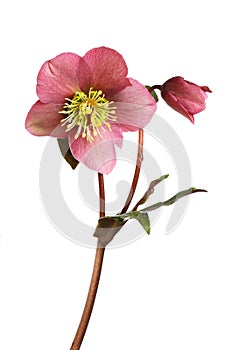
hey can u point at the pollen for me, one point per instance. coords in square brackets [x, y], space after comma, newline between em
[90, 114]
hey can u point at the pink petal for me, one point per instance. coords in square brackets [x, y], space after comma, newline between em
[178, 106]
[115, 134]
[135, 106]
[98, 155]
[108, 69]
[61, 77]
[44, 120]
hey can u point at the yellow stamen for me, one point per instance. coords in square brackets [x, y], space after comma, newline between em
[88, 113]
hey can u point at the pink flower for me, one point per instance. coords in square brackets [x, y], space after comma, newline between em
[184, 97]
[90, 101]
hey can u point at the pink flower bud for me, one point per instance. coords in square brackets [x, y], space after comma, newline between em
[184, 97]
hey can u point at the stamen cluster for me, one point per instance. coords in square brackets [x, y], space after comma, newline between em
[89, 113]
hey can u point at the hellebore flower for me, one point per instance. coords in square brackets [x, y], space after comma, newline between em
[184, 97]
[90, 101]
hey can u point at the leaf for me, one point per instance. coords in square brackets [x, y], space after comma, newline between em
[149, 191]
[153, 93]
[107, 228]
[143, 219]
[66, 153]
[173, 199]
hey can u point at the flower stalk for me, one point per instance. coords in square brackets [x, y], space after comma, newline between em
[90, 299]
[137, 171]
[96, 274]
[97, 268]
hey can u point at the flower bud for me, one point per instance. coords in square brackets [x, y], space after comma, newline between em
[184, 97]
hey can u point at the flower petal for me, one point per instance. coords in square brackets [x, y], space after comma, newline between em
[61, 77]
[98, 155]
[44, 120]
[177, 105]
[135, 106]
[108, 69]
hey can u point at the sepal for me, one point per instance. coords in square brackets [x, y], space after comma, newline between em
[153, 93]
[66, 153]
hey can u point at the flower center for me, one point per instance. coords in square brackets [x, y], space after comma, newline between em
[91, 114]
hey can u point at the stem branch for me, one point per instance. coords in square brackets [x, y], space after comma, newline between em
[137, 171]
[155, 87]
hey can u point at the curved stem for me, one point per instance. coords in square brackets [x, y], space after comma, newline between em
[94, 280]
[159, 87]
[137, 171]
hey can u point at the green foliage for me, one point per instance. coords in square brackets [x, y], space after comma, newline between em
[108, 226]
[142, 218]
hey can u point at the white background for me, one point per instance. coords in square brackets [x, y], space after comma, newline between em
[163, 291]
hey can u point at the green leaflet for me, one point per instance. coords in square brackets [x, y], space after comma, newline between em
[115, 223]
[173, 199]
[142, 218]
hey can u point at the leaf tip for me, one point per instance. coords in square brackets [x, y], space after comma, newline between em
[194, 190]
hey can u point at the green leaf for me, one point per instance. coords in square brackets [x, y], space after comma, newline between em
[143, 219]
[153, 93]
[66, 153]
[107, 228]
[173, 199]
[149, 191]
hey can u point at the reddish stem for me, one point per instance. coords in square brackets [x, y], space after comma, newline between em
[137, 171]
[96, 274]
[101, 195]
[159, 87]
[100, 251]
